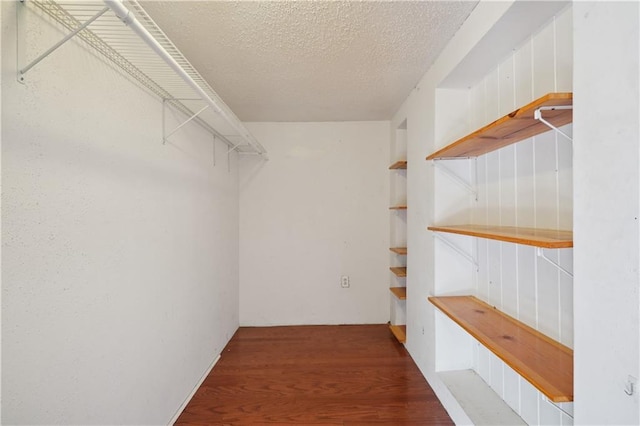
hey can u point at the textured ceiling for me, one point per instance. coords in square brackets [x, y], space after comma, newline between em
[311, 60]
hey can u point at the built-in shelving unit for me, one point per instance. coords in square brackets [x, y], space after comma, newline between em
[398, 231]
[400, 331]
[399, 271]
[512, 128]
[399, 165]
[546, 238]
[399, 250]
[399, 292]
[540, 360]
[543, 362]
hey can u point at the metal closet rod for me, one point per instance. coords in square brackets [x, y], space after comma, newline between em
[130, 20]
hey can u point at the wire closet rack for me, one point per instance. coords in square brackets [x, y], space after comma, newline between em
[126, 36]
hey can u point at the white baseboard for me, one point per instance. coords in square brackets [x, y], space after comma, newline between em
[193, 392]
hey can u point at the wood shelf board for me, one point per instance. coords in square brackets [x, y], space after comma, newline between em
[399, 250]
[399, 292]
[401, 207]
[400, 332]
[512, 128]
[543, 362]
[399, 165]
[546, 238]
[399, 271]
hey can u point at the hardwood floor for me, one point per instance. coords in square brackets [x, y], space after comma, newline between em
[315, 375]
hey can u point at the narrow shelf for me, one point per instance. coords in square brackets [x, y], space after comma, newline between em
[400, 207]
[400, 331]
[399, 165]
[399, 271]
[546, 238]
[543, 362]
[399, 250]
[512, 128]
[399, 292]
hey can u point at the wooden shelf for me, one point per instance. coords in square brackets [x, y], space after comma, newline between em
[399, 165]
[399, 271]
[546, 238]
[399, 292]
[400, 331]
[401, 207]
[543, 362]
[511, 128]
[399, 250]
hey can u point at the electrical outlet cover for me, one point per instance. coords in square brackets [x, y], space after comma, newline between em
[344, 281]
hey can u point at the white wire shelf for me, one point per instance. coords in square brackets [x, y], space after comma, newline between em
[115, 35]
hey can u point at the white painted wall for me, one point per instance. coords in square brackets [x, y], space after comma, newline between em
[120, 255]
[318, 209]
[1, 78]
[607, 185]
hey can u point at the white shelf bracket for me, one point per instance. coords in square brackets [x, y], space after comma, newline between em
[66, 38]
[537, 114]
[233, 148]
[457, 249]
[194, 116]
[214, 150]
[540, 253]
[457, 179]
[557, 407]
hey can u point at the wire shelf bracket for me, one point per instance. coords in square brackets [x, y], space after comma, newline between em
[537, 114]
[65, 39]
[175, 103]
[166, 135]
[133, 43]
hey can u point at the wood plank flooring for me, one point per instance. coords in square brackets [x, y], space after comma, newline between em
[315, 375]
